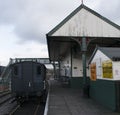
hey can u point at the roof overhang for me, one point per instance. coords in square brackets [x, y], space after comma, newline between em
[58, 46]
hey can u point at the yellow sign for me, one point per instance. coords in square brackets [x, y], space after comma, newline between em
[107, 69]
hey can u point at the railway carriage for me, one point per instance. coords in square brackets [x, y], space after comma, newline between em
[28, 78]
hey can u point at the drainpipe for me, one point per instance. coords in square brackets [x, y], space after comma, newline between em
[54, 70]
[59, 69]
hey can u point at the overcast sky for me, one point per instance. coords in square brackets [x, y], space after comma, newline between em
[24, 23]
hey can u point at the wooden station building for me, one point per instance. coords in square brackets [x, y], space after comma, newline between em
[72, 42]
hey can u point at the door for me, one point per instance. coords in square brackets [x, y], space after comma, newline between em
[27, 69]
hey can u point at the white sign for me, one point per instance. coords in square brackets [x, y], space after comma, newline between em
[98, 68]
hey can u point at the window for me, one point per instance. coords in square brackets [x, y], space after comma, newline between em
[15, 70]
[38, 70]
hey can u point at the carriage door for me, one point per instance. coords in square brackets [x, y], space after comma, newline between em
[27, 76]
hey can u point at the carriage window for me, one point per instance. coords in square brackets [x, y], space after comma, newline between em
[15, 70]
[38, 70]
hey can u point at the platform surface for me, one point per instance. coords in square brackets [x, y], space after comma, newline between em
[66, 101]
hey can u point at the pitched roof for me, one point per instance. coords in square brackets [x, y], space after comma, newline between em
[112, 52]
[75, 12]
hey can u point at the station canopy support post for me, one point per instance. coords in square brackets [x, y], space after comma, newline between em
[84, 50]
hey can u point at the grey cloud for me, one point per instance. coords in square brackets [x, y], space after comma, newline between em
[110, 9]
[10, 9]
[32, 19]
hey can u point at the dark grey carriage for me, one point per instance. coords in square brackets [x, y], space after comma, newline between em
[28, 78]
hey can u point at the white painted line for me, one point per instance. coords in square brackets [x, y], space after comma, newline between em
[47, 102]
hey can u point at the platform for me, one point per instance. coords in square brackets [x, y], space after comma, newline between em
[66, 101]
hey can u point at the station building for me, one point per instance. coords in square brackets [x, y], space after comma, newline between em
[72, 43]
[104, 66]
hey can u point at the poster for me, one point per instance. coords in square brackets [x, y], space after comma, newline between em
[93, 71]
[107, 69]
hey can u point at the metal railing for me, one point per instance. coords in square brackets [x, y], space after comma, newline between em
[5, 78]
[38, 60]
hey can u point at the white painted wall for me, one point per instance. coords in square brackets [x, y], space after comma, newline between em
[77, 69]
[84, 23]
[66, 66]
[116, 70]
[77, 66]
[99, 58]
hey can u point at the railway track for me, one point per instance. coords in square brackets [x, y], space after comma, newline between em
[5, 97]
[9, 106]
[4, 93]
[32, 106]
[7, 102]
[29, 108]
